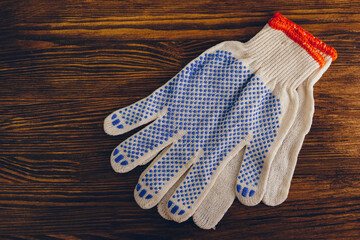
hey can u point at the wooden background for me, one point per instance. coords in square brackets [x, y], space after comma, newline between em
[65, 65]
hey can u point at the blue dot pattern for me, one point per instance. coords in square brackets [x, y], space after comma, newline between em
[219, 103]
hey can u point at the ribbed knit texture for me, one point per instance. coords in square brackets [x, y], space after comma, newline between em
[280, 59]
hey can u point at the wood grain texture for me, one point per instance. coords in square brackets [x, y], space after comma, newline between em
[65, 65]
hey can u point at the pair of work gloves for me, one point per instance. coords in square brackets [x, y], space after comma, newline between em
[230, 124]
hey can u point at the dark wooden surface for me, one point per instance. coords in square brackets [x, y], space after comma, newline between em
[65, 65]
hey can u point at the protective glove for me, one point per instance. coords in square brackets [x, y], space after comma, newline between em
[222, 194]
[234, 96]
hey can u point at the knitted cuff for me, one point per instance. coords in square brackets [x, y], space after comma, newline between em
[286, 52]
[307, 41]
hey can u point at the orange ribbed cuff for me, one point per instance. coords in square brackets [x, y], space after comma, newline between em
[307, 41]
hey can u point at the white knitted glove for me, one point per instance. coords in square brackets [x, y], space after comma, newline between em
[234, 96]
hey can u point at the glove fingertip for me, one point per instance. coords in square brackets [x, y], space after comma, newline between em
[114, 125]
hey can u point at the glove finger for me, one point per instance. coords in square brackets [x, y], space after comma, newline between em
[283, 166]
[163, 204]
[143, 146]
[220, 197]
[163, 173]
[188, 196]
[217, 201]
[260, 152]
[142, 112]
